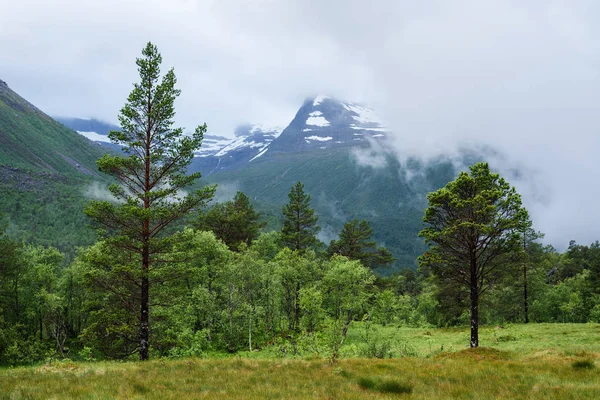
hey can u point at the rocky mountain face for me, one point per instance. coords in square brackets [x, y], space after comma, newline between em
[321, 124]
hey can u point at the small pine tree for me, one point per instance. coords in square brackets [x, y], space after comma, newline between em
[356, 244]
[300, 222]
[234, 222]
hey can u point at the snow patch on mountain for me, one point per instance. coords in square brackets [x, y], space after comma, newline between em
[235, 145]
[319, 99]
[316, 118]
[212, 144]
[364, 115]
[259, 154]
[96, 137]
[319, 138]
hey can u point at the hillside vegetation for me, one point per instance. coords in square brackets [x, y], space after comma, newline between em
[341, 190]
[45, 169]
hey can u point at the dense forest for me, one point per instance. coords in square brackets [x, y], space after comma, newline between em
[228, 298]
[174, 275]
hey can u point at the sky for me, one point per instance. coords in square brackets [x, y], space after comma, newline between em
[521, 77]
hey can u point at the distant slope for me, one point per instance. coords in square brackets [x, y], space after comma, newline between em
[341, 189]
[31, 140]
[319, 148]
[45, 170]
[93, 129]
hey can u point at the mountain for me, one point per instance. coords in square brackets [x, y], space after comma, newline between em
[219, 153]
[324, 123]
[334, 148]
[31, 140]
[45, 169]
[321, 123]
[48, 173]
[93, 129]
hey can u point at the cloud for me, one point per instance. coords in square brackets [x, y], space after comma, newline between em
[520, 77]
[225, 192]
[99, 191]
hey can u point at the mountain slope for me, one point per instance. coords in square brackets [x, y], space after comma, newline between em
[45, 171]
[31, 140]
[93, 129]
[320, 147]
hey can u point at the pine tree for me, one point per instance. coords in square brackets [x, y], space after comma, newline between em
[300, 222]
[473, 224]
[150, 179]
[356, 244]
[234, 222]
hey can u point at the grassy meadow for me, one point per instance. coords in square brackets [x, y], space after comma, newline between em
[546, 361]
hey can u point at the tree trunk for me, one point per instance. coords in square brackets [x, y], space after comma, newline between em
[474, 312]
[297, 309]
[525, 303]
[250, 333]
[144, 322]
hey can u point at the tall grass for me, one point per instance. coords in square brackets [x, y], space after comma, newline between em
[520, 369]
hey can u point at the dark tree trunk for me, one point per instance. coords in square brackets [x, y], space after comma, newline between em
[474, 306]
[525, 301]
[474, 317]
[145, 283]
[144, 321]
[297, 309]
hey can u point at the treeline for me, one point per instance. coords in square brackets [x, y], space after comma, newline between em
[254, 292]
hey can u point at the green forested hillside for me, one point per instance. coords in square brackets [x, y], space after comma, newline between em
[341, 189]
[45, 169]
[31, 140]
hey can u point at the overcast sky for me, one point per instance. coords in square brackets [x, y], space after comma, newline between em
[520, 76]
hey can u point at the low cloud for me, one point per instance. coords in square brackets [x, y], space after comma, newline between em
[225, 192]
[99, 191]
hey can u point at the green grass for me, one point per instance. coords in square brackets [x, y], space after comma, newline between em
[532, 340]
[544, 361]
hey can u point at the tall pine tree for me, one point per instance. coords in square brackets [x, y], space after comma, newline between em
[150, 179]
[300, 222]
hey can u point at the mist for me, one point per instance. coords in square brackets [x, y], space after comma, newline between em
[521, 78]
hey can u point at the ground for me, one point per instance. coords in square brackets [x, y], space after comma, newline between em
[546, 361]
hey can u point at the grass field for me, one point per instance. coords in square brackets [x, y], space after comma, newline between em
[545, 361]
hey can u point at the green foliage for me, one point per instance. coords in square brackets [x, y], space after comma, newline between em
[300, 222]
[473, 228]
[32, 141]
[234, 222]
[355, 243]
[150, 180]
